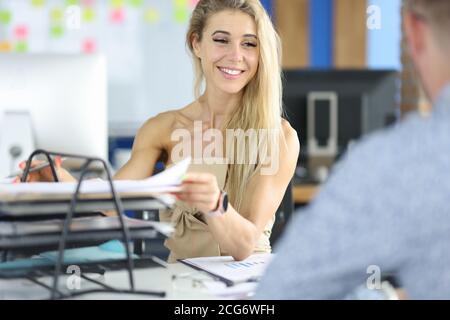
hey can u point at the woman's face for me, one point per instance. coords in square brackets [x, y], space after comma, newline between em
[229, 51]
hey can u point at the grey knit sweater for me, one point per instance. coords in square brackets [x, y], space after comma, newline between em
[386, 206]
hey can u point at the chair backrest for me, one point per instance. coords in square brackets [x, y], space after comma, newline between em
[283, 215]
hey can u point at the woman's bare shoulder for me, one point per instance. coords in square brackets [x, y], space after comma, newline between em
[165, 120]
[290, 136]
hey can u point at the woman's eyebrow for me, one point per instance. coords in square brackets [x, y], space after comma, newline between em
[247, 35]
[221, 31]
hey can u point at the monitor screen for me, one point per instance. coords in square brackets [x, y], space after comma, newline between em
[65, 98]
[366, 100]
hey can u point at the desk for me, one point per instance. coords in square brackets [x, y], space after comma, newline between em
[304, 193]
[150, 279]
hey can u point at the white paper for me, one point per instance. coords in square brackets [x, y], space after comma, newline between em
[166, 181]
[250, 269]
[7, 180]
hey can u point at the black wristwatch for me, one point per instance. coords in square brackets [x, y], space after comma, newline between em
[222, 205]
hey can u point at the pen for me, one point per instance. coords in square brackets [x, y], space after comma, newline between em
[34, 169]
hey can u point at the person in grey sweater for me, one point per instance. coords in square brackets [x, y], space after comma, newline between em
[385, 210]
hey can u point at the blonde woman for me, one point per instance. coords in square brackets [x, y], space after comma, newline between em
[225, 207]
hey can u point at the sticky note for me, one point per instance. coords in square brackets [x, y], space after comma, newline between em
[72, 2]
[117, 15]
[151, 15]
[21, 32]
[116, 3]
[193, 3]
[181, 15]
[135, 3]
[180, 4]
[5, 46]
[88, 14]
[56, 15]
[89, 45]
[56, 30]
[5, 17]
[88, 3]
[38, 3]
[21, 47]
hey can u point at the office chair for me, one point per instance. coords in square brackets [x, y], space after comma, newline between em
[282, 215]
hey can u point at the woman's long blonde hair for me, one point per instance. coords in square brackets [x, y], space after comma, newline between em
[261, 105]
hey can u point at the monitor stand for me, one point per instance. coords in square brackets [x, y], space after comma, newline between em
[16, 140]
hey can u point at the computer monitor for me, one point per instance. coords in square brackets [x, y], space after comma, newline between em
[330, 109]
[56, 102]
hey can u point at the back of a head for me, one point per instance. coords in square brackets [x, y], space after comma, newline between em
[436, 13]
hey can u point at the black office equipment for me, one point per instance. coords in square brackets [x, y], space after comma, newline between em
[26, 234]
[330, 109]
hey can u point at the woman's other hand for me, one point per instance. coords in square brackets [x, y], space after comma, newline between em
[45, 174]
[200, 190]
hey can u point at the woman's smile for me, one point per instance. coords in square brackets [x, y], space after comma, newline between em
[230, 73]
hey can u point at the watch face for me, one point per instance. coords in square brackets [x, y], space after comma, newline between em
[225, 202]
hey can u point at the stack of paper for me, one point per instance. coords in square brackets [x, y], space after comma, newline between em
[166, 181]
[232, 272]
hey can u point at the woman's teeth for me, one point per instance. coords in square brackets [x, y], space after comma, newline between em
[231, 71]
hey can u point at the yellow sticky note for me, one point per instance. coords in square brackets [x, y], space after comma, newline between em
[56, 15]
[88, 14]
[180, 4]
[151, 15]
[135, 3]
[38, 3]
[72, 2]
[5, 17]
[21, 47]
[5, 46]
[116, 3]
[181, 15]
[56, 31]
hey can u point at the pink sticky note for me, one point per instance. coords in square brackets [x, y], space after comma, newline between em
[117, 15]
[89, 45]
[193, 3]
[21, 32]
[88, 3]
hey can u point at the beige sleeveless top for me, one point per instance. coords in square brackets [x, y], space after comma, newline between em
[192, 237]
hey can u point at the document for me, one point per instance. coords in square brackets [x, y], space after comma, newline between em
[166, 181]
[21, 228]
[230, 271]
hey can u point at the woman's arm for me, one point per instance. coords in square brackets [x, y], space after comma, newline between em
[147, 148]
[238, 232]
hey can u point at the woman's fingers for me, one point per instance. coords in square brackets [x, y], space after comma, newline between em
[34, 163]
[195, 197]
[199, 177]
[196, 188]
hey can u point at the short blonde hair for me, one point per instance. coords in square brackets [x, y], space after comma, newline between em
[436, 13]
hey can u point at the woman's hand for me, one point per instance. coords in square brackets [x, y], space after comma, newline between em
[200, 190]
[45, 174]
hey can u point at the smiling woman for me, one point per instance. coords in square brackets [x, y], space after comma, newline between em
[225, 207]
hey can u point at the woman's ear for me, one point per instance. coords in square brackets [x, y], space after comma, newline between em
[196, 45]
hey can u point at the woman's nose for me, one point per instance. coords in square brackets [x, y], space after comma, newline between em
[236, 54]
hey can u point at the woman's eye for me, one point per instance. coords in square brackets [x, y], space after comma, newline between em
[220, 40]
[250, 44]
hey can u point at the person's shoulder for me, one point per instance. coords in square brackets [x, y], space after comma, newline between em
[164, 120]
[290, 135]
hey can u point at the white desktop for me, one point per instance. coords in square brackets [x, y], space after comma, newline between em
[56, 102]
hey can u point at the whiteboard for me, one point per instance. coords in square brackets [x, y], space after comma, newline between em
[149, 68]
